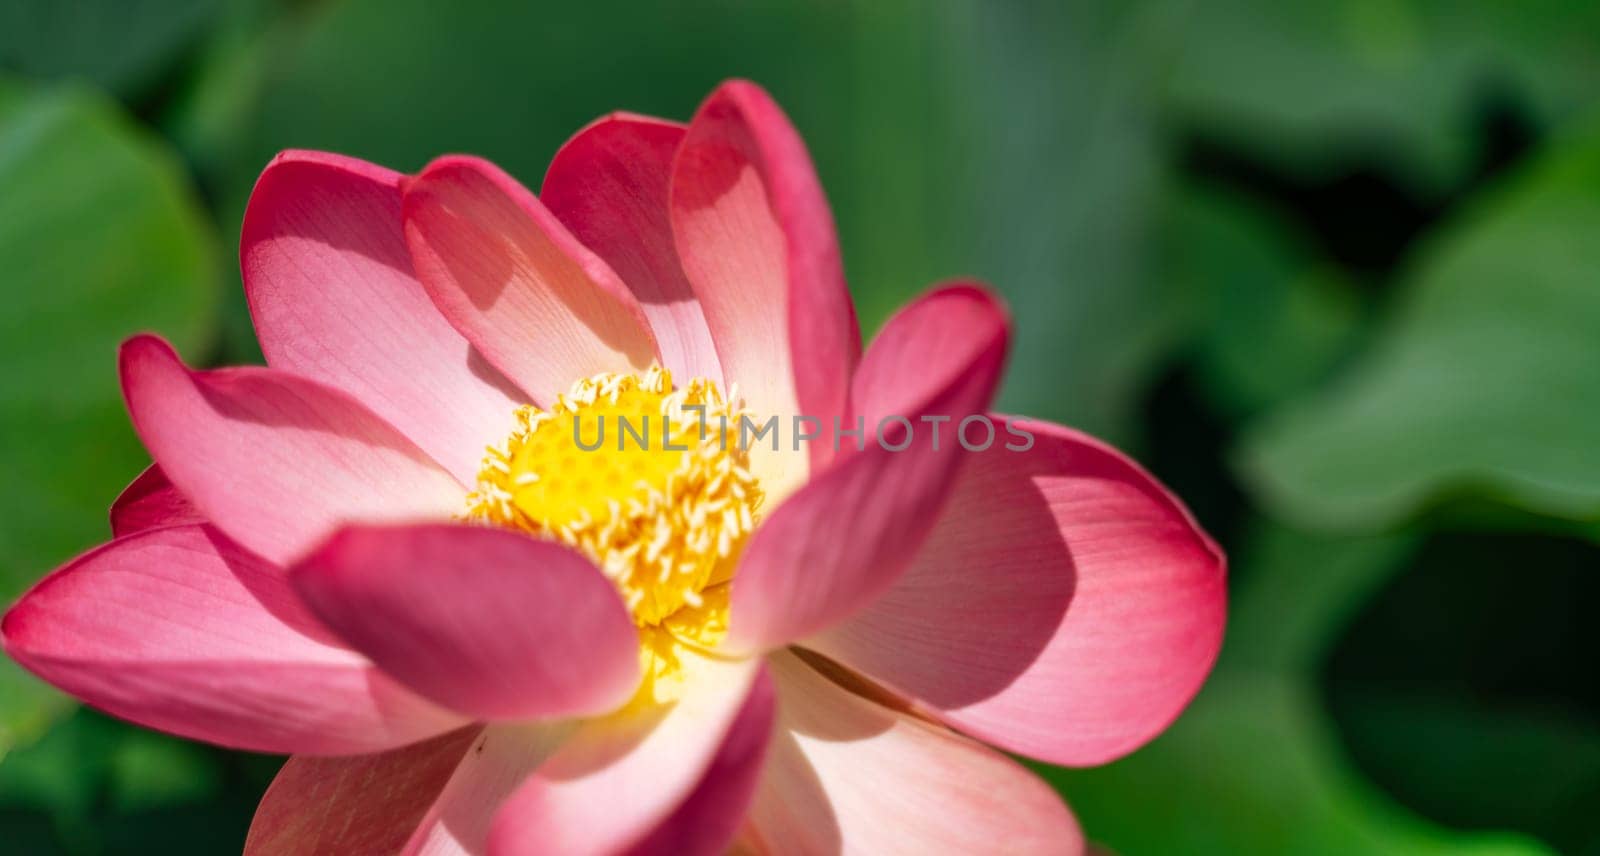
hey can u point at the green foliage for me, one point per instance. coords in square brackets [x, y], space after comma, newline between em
[121, 45]
[1303, 84]
[1254, 766]
[1525, 766]
[97, 786]
[1484, 380]
[1476, 729]
[27, 707]
[1270, 319]
[99, 238]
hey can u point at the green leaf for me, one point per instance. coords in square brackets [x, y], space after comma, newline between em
[1254, 765]
[1305, 85]
[214, 102]
[121, 45]
[93, 777]
[28, 707]
[100, 237]
[1459, 693]
[64, 771]
[1300, 590]
[150, 770]
[1529, 766]
[1271, 319]
[1482, 385]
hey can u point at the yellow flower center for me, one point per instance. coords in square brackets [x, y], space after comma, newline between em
[646, 479]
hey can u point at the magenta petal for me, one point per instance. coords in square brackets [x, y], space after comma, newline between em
[365, 804]
[516, 283]
[435, 799]
[757, 242]
[488, 622]
[608, 184]
[179, 630]
[150, 502]
[1066, 607]
[846, 536]
[845, 774]
[334, 299]
[275, 460]
[672, 779]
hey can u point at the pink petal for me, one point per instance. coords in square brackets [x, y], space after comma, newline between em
[179, 630]
[365, 804]
[848, 775]
[489, 622]
[459, 821]
[757, 242]
[435, 799]
[847, 535]
[711, 815]
[334, 299]
[672, 779]
[1066, 607]
[516, 283]
[150, 502]
[274, 460]
[608, 184]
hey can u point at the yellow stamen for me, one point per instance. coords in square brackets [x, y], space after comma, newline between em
[648, 480]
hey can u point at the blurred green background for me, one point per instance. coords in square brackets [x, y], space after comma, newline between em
[1331, 269]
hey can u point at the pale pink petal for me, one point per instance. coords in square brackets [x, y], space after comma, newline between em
[275, 460]
[334, 298]
[1066, 607]
[845, 774]
[757, 242]
[179, 630]
[363, 804]
[516, 283]
[150, 502]
[646, 778]
[711, 815]
[846, 536]
[608, 184]
[490, 622]
[459, 821]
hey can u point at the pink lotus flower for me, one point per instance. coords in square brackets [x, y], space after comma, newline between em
[538, 649]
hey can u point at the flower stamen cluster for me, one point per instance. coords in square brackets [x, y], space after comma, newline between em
[625, 469]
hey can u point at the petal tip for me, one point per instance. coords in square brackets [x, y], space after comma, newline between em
[140, 350]
[292, 156]
[459, 161]
[10, 630]
[983, 297]
[741, 88]
[140, 344]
